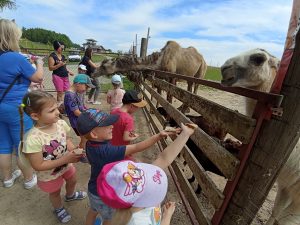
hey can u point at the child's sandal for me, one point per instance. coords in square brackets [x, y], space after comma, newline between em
[78, 195]
[62, 215]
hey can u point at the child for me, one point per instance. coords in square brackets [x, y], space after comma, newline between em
[137, 189]
[96, 126]
[115, 96]
[123, 131]
[74, 101]
[50, 151]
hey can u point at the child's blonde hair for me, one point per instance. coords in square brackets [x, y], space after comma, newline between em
[10, 35]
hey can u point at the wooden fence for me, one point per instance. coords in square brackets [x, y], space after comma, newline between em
[240, 126]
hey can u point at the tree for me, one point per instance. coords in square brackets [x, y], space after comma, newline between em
[7, 4]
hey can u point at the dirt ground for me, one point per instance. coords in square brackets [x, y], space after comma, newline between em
[32, 207]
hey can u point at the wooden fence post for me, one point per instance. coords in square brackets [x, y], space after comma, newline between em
[274, 144]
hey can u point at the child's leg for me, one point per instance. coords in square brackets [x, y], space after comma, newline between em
[53, 188]
[55, 199]
[97, 206]
[71, 180]
[91, 217]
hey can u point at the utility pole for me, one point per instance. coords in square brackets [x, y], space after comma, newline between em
[147, 40]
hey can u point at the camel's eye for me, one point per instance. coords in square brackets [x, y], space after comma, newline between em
[258, 59]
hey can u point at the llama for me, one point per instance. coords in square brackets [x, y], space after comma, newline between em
[256, 69]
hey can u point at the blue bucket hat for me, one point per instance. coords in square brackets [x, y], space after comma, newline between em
[83, 79]
[92, 118]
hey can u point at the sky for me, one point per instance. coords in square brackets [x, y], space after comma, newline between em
[218, 29]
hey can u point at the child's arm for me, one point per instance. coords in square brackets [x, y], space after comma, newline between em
[39, 164]
[166, 157]
[70, 145]
[108, 97]
[77, 112]
[168, 211]
[138, 147]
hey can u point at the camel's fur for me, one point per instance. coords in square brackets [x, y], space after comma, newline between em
[256, 69]
[171, 58]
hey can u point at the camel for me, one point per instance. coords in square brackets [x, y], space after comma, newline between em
[171, 58]
[256, 69]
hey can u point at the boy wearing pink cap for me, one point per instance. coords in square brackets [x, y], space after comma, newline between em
[97, 127]
[137, 189]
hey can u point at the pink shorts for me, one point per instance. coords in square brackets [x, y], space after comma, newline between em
[60, 83]
[54, 185]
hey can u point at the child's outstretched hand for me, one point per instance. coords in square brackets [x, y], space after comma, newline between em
[170, 131]
[168, 209]
[133, 135]
[189, 128]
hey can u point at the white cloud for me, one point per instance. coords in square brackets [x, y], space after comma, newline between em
[218, 29]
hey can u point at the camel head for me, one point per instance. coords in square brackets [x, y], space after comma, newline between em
[254, 69]
[114, 65]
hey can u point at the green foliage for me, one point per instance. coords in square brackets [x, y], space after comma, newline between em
[7, 4]
[213, 73]
[46, 36]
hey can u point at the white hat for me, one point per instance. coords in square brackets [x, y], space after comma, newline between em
[82, 67]
[126, 183]
[116, 79]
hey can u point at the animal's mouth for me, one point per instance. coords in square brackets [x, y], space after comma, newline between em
[228, 81]
[228, 76]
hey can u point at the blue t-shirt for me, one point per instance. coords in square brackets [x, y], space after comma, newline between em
[14, 64]
[72, 102]
[99, 154]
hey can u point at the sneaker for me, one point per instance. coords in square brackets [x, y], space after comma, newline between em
[11, 181]
[89, 101]
[96, 103]
[31, 183]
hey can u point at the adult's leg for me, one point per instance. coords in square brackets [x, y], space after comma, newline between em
[97, 88]
[60, 95]
[59, 87]
[6, 166]
[91, 93]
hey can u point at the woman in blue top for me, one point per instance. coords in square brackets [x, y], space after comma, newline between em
[16, 73]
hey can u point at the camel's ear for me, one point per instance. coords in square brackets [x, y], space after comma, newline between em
[274, 63]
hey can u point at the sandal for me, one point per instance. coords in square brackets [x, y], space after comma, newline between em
[62, 215]
[78, 195]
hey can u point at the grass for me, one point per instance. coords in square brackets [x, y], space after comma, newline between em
[127, 85]
[213, 73]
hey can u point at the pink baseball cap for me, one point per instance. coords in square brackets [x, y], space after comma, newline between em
[124, 184]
